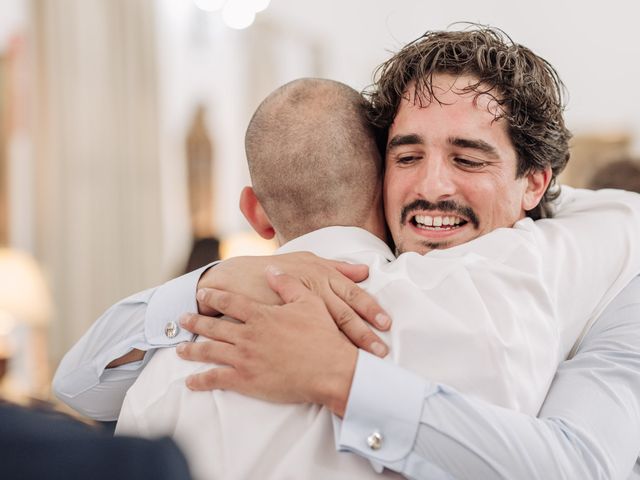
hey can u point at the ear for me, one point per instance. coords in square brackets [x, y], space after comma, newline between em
[537, 183]
[252, 210]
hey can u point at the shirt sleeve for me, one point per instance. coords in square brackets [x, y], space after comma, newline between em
[145, 321]
[594, 237]
[588, 427]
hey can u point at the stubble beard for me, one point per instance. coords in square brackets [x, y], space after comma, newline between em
[426, 247]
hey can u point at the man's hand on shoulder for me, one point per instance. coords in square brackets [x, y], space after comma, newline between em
[291, 353]
[352, 309]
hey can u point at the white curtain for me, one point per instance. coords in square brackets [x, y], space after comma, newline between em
[98, 220]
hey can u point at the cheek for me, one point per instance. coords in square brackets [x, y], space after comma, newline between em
[491, 200]
[391, 190]
[385, 197]
[479, 195]
[507, 205]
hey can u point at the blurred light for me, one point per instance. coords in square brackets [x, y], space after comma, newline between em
[238, 14]
[209, 5]
[23, 290]
[7, 323]
[245, 243]
[258, 5]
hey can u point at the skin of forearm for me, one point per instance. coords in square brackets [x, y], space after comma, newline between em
[333, 392]
[134, 355]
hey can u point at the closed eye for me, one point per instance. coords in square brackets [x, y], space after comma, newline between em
[470, 164]
[407, 159]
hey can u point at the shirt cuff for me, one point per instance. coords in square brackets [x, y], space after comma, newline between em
[168, 303]
[383, 412]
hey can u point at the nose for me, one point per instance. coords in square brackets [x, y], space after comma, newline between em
[437, 180]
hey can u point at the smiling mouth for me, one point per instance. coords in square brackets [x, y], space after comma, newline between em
[438, 223]
[446, 217]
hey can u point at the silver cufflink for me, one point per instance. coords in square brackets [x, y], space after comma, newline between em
[171, 329]
[374, 441]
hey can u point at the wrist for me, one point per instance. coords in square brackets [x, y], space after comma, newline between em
[134, 355]
[207, 280]
[333, 388]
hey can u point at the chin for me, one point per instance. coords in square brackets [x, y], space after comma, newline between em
[423, 247]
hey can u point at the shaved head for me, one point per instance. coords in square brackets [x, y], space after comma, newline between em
[313, 158]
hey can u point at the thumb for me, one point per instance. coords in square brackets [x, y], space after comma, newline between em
[289, 288]
[355, 272]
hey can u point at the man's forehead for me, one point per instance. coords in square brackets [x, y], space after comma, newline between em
[458, 112]
[446, 89]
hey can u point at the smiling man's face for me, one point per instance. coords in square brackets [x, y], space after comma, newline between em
[451, 170]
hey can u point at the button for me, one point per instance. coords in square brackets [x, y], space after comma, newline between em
[171, 329]
[374, 441]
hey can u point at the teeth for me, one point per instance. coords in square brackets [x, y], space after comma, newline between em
[437, 222]
[424, 220]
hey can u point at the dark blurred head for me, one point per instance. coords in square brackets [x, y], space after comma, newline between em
[622, 174]
[203, 252]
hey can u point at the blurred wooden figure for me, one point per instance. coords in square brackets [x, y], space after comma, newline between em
[200, 176]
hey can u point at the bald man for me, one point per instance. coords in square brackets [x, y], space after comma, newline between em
[316, 176]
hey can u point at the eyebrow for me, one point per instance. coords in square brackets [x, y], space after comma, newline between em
[475, 144]
[399, 140]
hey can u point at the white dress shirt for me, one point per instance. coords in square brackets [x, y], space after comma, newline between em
[587, 429]
[505, 300]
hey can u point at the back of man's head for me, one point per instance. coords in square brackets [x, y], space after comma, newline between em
[313, 157]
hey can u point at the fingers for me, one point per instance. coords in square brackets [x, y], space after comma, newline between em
[207, 279]
[232, 304]
[289, 288]
[360, 301]
[355, 272]
[213, 328]
[355, 328]
[345, 302]
[208, 352]
[219, 378]
[205, 309]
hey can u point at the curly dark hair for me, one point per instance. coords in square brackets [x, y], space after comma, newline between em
[525, 86]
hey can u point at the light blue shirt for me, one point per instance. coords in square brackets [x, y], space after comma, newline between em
[140, 321]
[588, 428]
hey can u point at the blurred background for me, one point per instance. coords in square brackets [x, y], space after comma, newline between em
[122, 125]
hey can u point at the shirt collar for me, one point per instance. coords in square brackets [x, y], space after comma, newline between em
[335, 242]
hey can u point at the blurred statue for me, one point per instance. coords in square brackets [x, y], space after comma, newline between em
[205, 247]
[200, 169]
[622, 174]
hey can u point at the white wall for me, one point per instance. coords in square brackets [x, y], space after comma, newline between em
[198, 62]
[13, 17]
[230, 71]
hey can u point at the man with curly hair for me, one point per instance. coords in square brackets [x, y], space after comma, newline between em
[477, 117]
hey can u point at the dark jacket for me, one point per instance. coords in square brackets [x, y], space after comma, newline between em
[39, 444]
